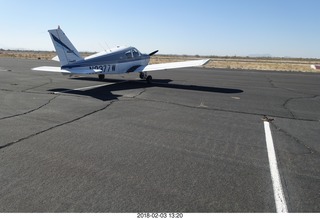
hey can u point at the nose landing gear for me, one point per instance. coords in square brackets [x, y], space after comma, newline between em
[145, 76]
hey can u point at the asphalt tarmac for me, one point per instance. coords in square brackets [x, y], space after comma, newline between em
[193, 141]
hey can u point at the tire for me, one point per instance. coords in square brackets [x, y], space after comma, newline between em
[142, 75]
[149, 79]
[101, 77]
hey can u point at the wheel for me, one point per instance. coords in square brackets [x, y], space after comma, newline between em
[149, 79]
[142, 75]
[101, 77]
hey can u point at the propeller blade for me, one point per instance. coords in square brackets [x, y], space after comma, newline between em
[151, 54]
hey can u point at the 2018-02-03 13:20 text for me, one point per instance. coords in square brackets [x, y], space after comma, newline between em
[159, 215]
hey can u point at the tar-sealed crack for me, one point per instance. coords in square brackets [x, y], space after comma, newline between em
[272, 83]
[298, 141]
[37, 86]
[59, 125]
[56, 126]
[28, 91]
[140, 93]
[137, 97]
[30, 111]
[287, 101]
[285, 104]
[225, 110]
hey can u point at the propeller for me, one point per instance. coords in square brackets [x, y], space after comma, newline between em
[151, 54]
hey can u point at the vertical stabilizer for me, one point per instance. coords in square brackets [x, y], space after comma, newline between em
[66, 52]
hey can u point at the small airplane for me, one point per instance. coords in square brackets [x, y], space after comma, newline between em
[315, 67]
[119, 60]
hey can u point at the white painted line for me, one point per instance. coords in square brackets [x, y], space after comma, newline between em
[279, 198]
[88, 88]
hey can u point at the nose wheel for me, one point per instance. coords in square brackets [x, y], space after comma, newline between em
[145, 76]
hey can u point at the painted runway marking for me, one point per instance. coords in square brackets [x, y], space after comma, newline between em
[280, 200]
[88, 88]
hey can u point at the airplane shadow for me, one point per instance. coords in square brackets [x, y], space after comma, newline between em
[104, 93]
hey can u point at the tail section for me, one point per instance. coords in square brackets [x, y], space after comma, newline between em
[66, 52]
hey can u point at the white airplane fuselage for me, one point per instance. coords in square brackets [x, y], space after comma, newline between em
[117, 61]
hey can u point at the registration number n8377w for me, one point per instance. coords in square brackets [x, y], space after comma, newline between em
[104, 68]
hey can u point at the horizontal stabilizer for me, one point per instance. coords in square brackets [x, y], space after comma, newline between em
[68, 71]
[56, 58]
[173, 65]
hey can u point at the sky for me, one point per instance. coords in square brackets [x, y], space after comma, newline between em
[282, 28]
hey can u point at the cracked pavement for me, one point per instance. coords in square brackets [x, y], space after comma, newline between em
[193, 141]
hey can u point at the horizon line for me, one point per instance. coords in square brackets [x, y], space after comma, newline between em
[256, 56]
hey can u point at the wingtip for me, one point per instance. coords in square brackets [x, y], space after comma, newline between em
[205, 61]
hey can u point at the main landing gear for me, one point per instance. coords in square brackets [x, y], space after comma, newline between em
[101, 77]
[145, 76]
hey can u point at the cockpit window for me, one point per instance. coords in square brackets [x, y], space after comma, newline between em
[132, 53]
[135, 53]
[129, 54]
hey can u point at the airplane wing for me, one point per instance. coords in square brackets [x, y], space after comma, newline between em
[153, 67]
[66, 71]
[172, 65]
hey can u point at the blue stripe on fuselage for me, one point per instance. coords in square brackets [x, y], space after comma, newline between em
[110, 58]
[62, 44]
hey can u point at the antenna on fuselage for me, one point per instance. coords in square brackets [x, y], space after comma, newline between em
[107, 45]
[102, 47]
